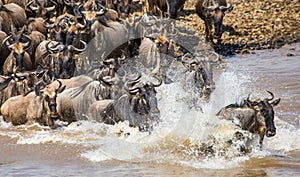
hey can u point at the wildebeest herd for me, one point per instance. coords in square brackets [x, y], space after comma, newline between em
[47, 45]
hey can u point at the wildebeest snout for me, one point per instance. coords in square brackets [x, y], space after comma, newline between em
[270, 132]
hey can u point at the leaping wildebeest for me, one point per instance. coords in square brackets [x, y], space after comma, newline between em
[255, 116]
[213, 11]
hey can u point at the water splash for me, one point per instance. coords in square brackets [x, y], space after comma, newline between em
[190, 137]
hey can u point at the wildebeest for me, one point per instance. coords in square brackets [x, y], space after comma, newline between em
[42, 9]
[61, 57]
[169, 7]
[213, 11]
[73, 103]
[157, 55]
[17, 14]
[138, 106]
[18, 58]
[36, 24]
[109, 38]
[38, 106]
[18, 83]
[255, 116]
[4, 51]
[21, 3]
[200, 75]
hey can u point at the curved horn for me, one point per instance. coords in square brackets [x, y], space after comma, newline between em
[47, 25]
[33, 8]
[108, 80]
[54, 48]
[28, 4]
[103, 8]
[101, 12]
[81, 26]
[67, 2]
[5, 41]
[272, 96]
[51, 8]
[132, 88]
[59, 85]
[80, 50]
[229, 8]
[209, 8]
[159, 82]
[109, 61]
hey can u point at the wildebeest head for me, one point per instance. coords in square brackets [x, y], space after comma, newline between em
[73, 31]
[74, 7]
[66, 63]
[91, 17]
[143, 102]
[57, 31]
[174, 6]
[203, 69]
[49, 95]
[265, 113]
[217, 11]
[18, 49]
[41, 9]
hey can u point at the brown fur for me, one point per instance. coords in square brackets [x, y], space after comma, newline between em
[30, 108]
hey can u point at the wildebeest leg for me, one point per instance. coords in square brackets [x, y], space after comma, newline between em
[50, 122]
[208, 26]
[261, 139]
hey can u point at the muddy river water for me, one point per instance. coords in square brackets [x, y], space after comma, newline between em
[174, 146]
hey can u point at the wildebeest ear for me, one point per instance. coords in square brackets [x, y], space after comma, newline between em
[275, 102]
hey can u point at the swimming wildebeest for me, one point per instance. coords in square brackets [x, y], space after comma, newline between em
[256, 116]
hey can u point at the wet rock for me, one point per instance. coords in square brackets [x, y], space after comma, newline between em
[290, 54]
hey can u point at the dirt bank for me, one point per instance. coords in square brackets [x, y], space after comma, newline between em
[252, 25]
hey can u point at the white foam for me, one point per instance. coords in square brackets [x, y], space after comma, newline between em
[179, 124]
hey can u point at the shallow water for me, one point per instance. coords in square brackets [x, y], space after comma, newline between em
[176, 147]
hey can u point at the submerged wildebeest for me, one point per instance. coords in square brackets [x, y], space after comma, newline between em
[213, 11]
[255, 116]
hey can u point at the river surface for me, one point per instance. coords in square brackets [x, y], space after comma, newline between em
[179, 145]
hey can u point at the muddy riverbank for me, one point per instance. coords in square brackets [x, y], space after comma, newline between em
[251, 25]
